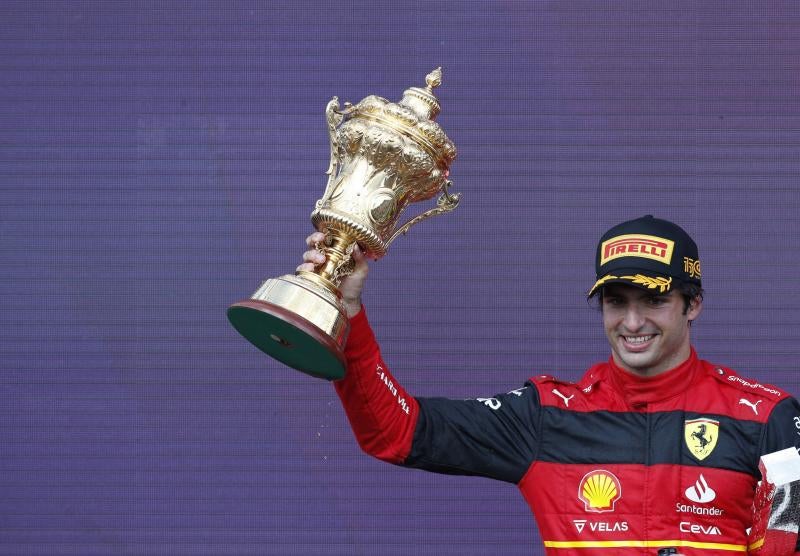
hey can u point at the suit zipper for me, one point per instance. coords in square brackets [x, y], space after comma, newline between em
[648, 437]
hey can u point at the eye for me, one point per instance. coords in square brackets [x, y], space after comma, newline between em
[657, 300]
[613, 301]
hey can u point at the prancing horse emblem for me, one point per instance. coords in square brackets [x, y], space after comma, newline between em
[701, 436]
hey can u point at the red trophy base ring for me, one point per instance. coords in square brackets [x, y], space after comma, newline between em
[289, 338]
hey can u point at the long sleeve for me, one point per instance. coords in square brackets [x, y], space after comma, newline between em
[381, 413]
[783, 427]
[783, 431]
[492, 437]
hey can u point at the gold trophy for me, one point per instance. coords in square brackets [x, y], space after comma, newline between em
[384, 156]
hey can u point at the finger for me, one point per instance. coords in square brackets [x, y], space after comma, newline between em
[360, 256]
[313, 239]
[308, 267]
[314, 256]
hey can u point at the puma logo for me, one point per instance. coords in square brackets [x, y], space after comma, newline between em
[751, 405]
[563, 397]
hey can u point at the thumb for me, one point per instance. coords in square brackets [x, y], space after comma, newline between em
[359, 257]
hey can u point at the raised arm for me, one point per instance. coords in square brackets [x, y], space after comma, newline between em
[493, 437]
[381, 413]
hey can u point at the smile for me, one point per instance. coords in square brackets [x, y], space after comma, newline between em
[635, 340]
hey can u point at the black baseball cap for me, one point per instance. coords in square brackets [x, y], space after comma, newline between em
[647, 252]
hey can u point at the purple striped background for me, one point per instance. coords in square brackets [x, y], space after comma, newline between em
[159, 159]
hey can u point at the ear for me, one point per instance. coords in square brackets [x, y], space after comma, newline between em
[695, 308]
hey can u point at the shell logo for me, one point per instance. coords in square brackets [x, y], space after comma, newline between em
[599, 490]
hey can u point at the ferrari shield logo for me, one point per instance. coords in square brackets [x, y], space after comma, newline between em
[701, 436]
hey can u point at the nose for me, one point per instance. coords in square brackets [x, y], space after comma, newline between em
[633, 320]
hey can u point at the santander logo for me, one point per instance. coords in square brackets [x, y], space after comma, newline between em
[700, 492]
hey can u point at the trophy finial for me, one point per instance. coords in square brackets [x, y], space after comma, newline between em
[434, 79]
[423, 101]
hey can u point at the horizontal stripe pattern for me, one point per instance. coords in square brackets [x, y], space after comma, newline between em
[605, 437]
[647, 544]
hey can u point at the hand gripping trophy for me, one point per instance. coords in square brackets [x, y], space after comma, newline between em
[384, 156]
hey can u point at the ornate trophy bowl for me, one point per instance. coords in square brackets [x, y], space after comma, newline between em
[384, 157]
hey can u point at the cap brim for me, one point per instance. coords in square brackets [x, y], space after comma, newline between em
[641, 279]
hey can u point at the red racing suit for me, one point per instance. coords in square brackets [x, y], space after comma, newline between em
[611, 465]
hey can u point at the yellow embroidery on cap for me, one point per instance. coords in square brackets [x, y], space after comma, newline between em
[692, 267]
[602, 281]
[662, 284]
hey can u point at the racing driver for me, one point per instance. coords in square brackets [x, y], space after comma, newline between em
[654, 451]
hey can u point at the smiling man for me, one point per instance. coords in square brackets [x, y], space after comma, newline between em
[654, 451]
[648, 332]
[648, 279]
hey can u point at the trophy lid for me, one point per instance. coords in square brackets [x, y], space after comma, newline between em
[412, 118]
[422, 101]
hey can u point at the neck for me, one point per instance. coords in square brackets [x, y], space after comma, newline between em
[638, 388]
[675, 360]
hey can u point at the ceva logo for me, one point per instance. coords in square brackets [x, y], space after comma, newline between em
[697, 529]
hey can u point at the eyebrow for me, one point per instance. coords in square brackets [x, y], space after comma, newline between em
[643, 295]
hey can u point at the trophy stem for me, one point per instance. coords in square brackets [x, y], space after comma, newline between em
[338, 248]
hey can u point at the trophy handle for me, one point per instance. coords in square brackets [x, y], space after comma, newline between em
[445, 203]
[334, 118]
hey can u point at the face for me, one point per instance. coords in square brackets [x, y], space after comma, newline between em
[648, 333]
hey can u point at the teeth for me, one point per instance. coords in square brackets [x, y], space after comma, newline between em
[637, 339]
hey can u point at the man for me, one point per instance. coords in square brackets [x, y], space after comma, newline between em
[653, 450]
